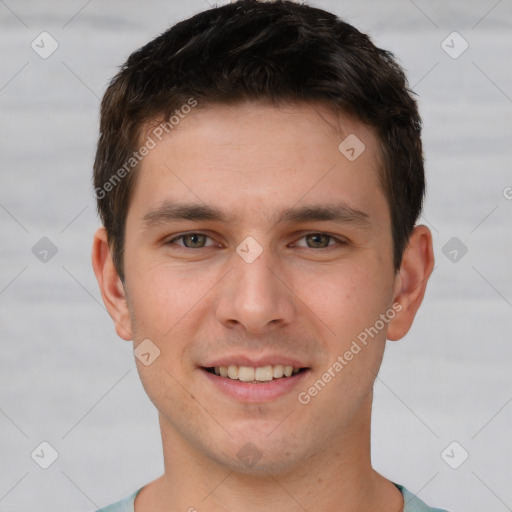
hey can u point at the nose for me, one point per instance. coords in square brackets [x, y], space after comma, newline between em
[256, 295]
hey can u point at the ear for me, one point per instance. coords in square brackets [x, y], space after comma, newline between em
[111, 287]
[411, 281]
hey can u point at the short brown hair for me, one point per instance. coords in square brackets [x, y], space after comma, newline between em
[278, 51]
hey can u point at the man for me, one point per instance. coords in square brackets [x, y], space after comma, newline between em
[259, 175]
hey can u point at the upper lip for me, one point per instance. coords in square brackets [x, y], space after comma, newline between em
[255, 362]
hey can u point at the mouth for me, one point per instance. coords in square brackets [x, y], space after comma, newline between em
[255, 384]
[255, 375]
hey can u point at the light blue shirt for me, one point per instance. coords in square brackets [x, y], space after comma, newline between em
[411, 503]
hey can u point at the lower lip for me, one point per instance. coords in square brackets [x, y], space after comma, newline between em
[256, 393]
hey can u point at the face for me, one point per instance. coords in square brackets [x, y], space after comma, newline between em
[252, 241]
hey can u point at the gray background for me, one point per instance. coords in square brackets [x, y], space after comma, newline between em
[65, 377]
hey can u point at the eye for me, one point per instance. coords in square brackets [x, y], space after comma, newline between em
[192, 241]
[319, 241]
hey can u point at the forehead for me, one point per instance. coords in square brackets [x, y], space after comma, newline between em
[252, 157]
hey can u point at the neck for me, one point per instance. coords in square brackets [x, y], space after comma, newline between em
[338, 479]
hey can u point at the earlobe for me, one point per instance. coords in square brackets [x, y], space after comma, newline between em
[111, 287]
[411, 281]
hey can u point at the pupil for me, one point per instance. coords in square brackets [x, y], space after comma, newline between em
[318, 238]
[195, 240]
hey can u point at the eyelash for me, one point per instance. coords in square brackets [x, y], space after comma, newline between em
[339, 241]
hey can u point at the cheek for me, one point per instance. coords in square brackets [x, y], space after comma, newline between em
[163, 297]
[349, 302]
[347, 298]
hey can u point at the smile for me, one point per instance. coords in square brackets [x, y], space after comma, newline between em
[255, 374]
[255, 384]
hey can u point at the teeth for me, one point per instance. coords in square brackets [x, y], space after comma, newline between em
[278, 371]
[245, 373]
[263, 373]
[233, 371]
[260, 374]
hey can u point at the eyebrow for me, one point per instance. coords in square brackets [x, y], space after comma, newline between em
[171, 211]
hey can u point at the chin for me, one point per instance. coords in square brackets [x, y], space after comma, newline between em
[259, 455]
[274, 464]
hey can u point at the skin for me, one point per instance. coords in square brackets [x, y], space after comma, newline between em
[299, 298]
